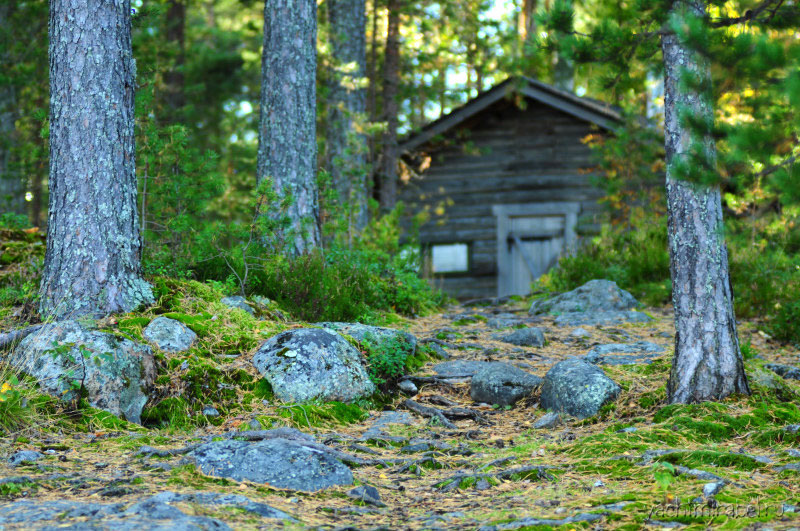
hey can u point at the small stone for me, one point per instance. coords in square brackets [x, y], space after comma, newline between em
[523, 337]
[184, 365]
[24, 457]
[169, 335]
[367, 494]
[712, 489]
[482, 484]
[580, 333]
[629, 429]
[254, 424]
[598, 483]
[408, 387]
[210, 411]
[237, 301]
[548, 421]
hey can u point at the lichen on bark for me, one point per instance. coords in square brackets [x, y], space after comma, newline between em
[708, 363]
[92, 263]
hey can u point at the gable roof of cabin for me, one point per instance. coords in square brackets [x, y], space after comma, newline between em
[593, 111]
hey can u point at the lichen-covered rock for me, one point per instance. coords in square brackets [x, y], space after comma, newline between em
[313, 363]
[169, 335]
[548, 421]
[523, 337]
[372, 334]
[502, 384]
[624, 353]
[503, 320]
[281, 463]
[784, 371]
[596, 302]
[577, 388]
[237, 301]
[116, 373]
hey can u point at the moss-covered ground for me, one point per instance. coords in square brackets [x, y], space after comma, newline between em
[606, 464]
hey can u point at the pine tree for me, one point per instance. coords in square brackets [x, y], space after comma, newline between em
[391, 82]
[12, 189]
[287, 147]
[92, 264]
[347, 103]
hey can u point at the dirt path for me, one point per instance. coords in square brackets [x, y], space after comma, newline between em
[491, 469]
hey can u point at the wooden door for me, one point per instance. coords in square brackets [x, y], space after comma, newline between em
[530, 239]
[535, 243]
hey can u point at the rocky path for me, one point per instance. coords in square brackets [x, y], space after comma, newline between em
[441, 457]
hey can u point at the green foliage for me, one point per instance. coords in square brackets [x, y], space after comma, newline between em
[664, 474]
[322, 414]
[634, 257]
[14, 410]
[21, 263]
[387, 359]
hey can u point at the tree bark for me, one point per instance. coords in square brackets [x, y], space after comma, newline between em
[92, 263]
[348, 99]
[526, 23]
[707, 363]
[287, 144]
[391, 83]
[12, 186]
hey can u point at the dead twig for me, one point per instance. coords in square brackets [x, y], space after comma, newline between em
[429, 412]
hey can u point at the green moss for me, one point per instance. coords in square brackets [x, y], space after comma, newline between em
[172, 412]
[326, 414]
[263, 390]
[699, 458]
[97, 419]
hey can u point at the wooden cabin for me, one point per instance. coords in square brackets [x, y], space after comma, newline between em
[506, 180]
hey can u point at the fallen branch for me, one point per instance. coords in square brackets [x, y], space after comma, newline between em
[525, 472]
[9, 338]
[429, 412]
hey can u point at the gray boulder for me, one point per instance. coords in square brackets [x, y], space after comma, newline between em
[313, 363]
[596, 302]
[502, 384]
[115, 372]
[281, 463]
[784, 371]
[237, 301]
[523, 337]
[577, 388]
[169, 335]
[624, 353]
[372, 334]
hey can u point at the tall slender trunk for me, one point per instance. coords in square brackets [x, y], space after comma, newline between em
[346, 146]
[12, 186]
[707, 363]
[372, 67]
[92, 264]
[391, 83]
[174, 96]
[526, 24]
[287, 147]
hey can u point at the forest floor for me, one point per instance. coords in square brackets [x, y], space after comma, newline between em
[612, 471]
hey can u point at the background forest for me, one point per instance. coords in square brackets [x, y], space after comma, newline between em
[199, 77]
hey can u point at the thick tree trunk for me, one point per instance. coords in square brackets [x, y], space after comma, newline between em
[347, 147]
[391, 83]
[173, 78]
[707, 363]
[12, 186]
[92, 264]
[287, 147]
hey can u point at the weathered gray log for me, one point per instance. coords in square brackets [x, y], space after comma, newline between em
[92, 264]
[9, 338]
[707, 364]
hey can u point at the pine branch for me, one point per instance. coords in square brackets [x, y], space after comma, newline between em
[751, 15]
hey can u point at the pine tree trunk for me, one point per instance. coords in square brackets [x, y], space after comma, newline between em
[92, 264]
[707, 363]
[348, 99]
[287, 147]
[391, 83]
[526, 23]
[12, 187]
